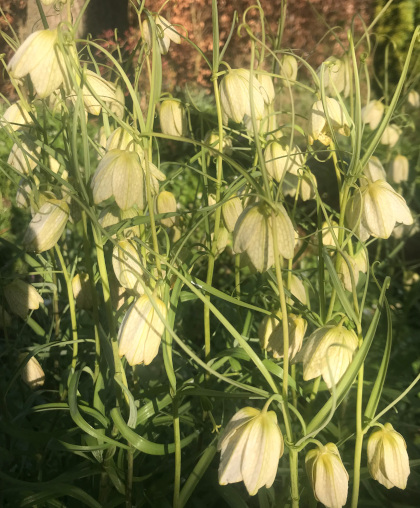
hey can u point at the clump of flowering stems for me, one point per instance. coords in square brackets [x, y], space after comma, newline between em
[155, 252]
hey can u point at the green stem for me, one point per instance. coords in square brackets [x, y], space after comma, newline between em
[129, 479]
[359, 441]
[294, 477]
[72, 307]
[177, 441]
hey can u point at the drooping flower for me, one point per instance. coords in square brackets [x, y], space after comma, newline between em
[32, 373]
[372, 114]
[271, 335]
[46, 226]
[374, 170]
[173, 120]
[15, 117]
[413, 99]
[251, 446]
[379, 207]
[327, 352]
[22, 297]
[387, 457]
[96, 86]
[141, 331]
[165, 33]
[82, 291]
[279, 159]
[391, 135]
[127, 266]
[231, 211]
[318, 123]
[398, 169]
[266, 87]
[166, 203]
[235, 95]
[253, 234]
[336, 76]
[24, 157]
[40, 57]
[327, 475]
[298, 289]
[121, 174]
[289, 69]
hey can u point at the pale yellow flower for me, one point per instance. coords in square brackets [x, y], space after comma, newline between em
[141, 331]
[253, 234]
[279, 159]
[372, 114]
[318, 123]
[398, 169]
[120, 174]
[374, 170]
[165, 33]
[336, 76]
[413, 99]
[327, 475]
[127, 265]
[173, 120]
[24, 157]
[22, 297]
[235, 95]
[40, 57]
[16, 116]
[46, 226]
[391, 135]
[32, 373]
[266, 87]
[231, 210]
[166, 203]
[271, 335]
[289, 69]
[251, 446]
[379, 208]
[387, 457]
[82, 291]
[327, 352]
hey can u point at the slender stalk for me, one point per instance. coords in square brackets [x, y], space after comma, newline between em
[129, 480]
[177, 441]
[359, 440]
[72, 307]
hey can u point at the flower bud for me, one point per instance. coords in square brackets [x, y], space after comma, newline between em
[251, 446]
[40, 57]
[46, 226]
[253, 234]
[82, 291]
[327, 475]
[378, 207]
[289, 68]
[22, 297]
[165, 33]
[172, 116]
[235, 95]
[141, 331]
[271, 336]
[414, 99]
[391, 135]
[318, 124]
[374, 170]
[24, 157]
[344, 272]
[127, 266]
[166, 203]
[32, 373]
[372, 114]
[122, 140]
[304, 179]
[231, 210]
[387, 457]
[327, 352]
[212, 139]
[15, 117]
[398, 169]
